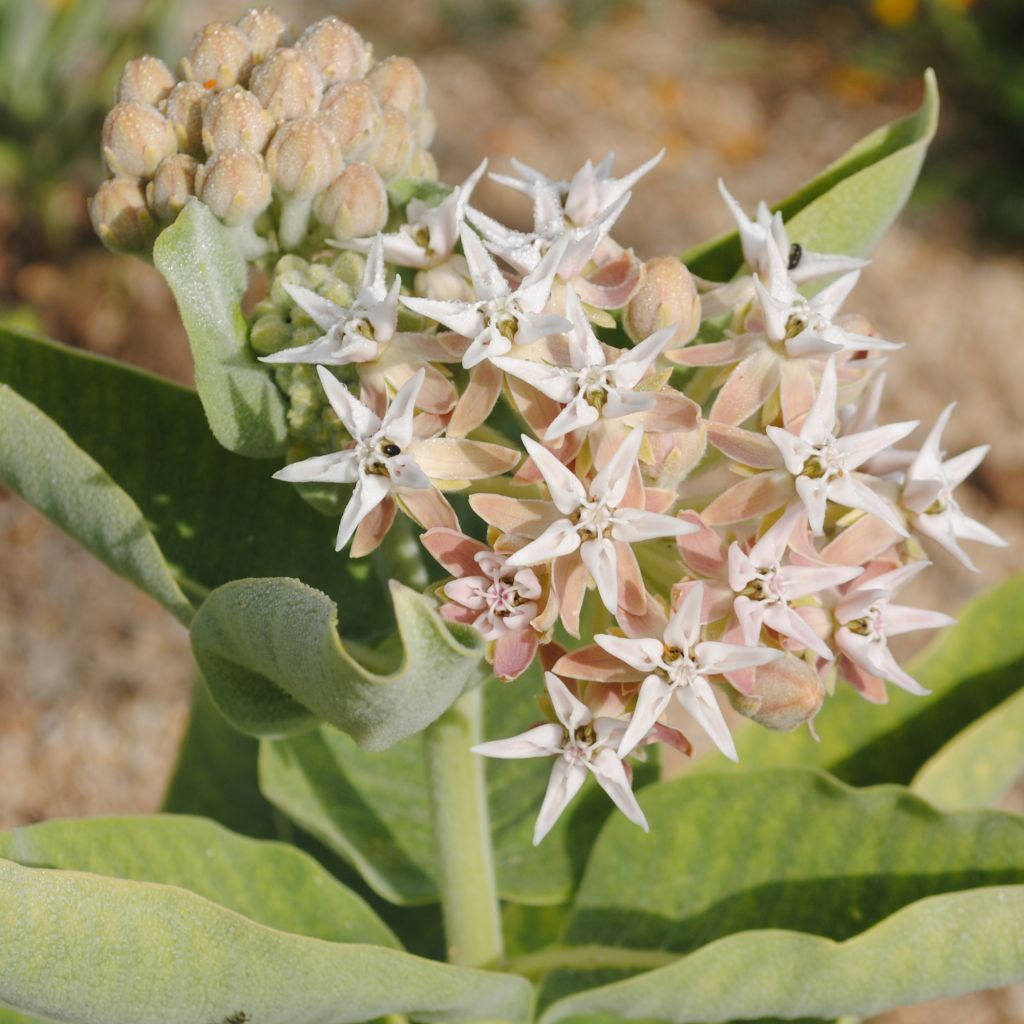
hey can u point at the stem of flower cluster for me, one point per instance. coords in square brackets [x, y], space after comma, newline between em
[465, 861]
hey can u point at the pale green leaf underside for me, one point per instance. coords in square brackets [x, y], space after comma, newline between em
[978, 766]
[42, 464]
[969, 669]
[207, 275]
[942, 946]
[85, 949]
[271, 883]
[852, 203]
[271, 655]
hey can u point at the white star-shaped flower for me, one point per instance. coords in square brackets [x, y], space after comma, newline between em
[765, 588]
[430, 233]
[593, 519]
[352, 335]
[377, 464]
[678, 666]
[591, 387]
[928, 493]
[825, 465]
[582, 745]
[867, 618]
[500, 317]
[808, 326]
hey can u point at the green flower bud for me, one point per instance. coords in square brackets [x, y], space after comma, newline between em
[234, 119]
[288, 84]
[221, 55]
[265, 30]
[422, 165]
[270, 333]
[355, 204]
[171, 187]
[184, 108]
[136, 137]
[399, 83]
[120, 217]
[394, 144]
[350, 268]
[788, 694]
[351, 111]
[337, 49]
[235, 185]
[667, 295]
[145, 80]
[303, 158]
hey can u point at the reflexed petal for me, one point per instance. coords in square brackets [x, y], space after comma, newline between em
[450, 458]
[749, 386]
[750, 615]
[461, 317]
[566, 781]
[405, 472]
[553, 381]
[634, 524]
[597, 664]
[368, 494]
[610, 484]
[358, 420]
[901, 619]
[643, 654]
[611, 777]
[335, 468]
[577, 415]
[521, 517]
[715, 658]
[789, 622]
[513, 653]
[599, 558]
[540, 741]
[324, 313]
[794, 450]
[621, 402]
[858, 448]
[534, 326]
[802, 581]
[559, 539]
[428, 507]
[699, 700]
[854, 492]
[814, 495]
[821, 420]
[752, 497]
[744, 446]
[566, 490]
[571, 711]
[683, 629]
[477, 400]
[488, 280]
[957, 469]
[772, 546]
[371, 531]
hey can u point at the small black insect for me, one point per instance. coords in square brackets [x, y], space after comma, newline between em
[391, 450]
[241, 1017]
[796, 252]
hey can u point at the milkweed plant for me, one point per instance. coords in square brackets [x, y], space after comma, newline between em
[478, 530]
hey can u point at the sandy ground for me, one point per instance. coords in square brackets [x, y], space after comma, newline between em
[94, 678]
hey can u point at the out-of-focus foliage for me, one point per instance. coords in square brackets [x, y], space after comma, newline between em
[974, 46]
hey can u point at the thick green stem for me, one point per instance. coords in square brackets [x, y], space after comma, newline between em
[465, 862]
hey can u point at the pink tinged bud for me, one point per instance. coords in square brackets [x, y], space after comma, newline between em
[235, 186]
[288, 84]
[171, 187]
[394, 145]
[784, 694]
[265, 30]
[426, 128]
[667, 295]
[355, 204]
[221, 55]
[136, 137]
[351, 111]
[337, 49]
[303, 158]
[120, 217]
[235, 119]
[399, 83]
[422, 165]
[145, 80]
[184, 108]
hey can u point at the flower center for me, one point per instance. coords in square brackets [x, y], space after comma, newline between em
[825, 462]
[871, 624]
[592, 520]
[767, 585]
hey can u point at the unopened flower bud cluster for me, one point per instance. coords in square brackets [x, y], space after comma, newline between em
[281, 139]
[691, 479]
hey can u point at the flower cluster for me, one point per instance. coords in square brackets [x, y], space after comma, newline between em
[704, 501]
[285, 142]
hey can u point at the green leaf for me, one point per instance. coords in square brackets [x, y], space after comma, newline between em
[42, 464]
[943, 946]
[129, 951]
[977, 766]
[784, 849]
[208, 277]
[970, 669]
[373, 809]
[270, 883]
[270, 652]
[216, 516]
[851, 204]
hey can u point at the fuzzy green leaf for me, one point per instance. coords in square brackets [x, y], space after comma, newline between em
[270, 652]
[851, 204]
[208, 277]
[943, 946]
[270, 883]
[215, 516]
[86, 949]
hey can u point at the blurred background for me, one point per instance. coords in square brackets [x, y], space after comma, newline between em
[95, 678]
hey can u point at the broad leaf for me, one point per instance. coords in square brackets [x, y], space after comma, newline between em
[131, 951]
[42, 464]
[215, 516]
[970, 669]
[373, 809]
[208, 277]
[270, 883]
[851, 204]
[270, 652]
[977, 766]
[943, 946]
[786, 849]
